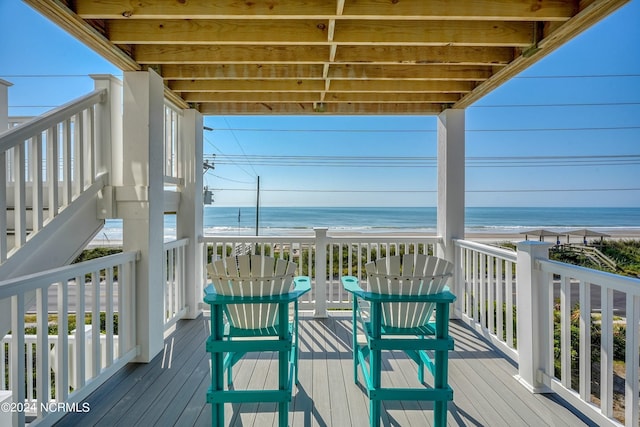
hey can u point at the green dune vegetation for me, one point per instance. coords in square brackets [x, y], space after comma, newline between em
[614, 256]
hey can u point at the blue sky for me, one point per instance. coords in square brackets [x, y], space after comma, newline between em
[528, 116]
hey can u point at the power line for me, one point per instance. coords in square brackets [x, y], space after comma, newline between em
[325, 130]
[241, 149]
[584, 76]
[555, 190]
[531, 190]
[232, 180]
[220, 151]
[429, 162]
[584, 104]
[556, 129]
[384, 131]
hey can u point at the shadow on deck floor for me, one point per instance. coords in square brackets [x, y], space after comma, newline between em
[171, 389]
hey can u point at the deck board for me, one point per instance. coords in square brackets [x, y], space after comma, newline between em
[171, 389]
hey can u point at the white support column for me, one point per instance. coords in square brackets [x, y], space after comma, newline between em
[141, 204]
[189, 215]
[451, 152]
[533, 315]
[4, 105]
[320, 263]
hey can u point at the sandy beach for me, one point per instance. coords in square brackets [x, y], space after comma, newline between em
[615, 234]
[481, 237]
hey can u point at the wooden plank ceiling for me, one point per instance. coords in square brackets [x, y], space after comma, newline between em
[326, 56]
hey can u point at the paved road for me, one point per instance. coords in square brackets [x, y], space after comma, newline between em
[72, 298]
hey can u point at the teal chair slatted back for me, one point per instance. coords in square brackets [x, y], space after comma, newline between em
[409, 274]
[251, 276]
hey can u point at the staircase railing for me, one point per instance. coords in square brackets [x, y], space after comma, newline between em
[45, 374]
[45, 164]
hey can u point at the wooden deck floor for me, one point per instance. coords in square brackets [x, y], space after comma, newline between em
[171, 389]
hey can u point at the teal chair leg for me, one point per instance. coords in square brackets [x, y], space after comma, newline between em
[295, 350]
[356, 349]
[217, 368]
[283, 363]
[442, 362]
[375, 366]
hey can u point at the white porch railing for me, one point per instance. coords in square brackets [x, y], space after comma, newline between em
[175, 281]
[486, 291]
[582, 358]
[549, 318]
[31, 342]
[45, 372]
[323, 257]
[46, 163]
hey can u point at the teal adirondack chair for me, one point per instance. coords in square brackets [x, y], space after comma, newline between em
[408, 310]
[254, 307]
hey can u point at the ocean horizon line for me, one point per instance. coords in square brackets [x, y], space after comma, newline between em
[413, 207]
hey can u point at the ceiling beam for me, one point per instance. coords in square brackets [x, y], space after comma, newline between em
[374, 86]
[201, 54]
[241, 71]
[334, 71]
[504, 10]
[463, 55]
[328, 109]
[321, 32]
[293, 97]
[200, 31]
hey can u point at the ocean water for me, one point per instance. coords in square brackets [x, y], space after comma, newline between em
[276, 220]
[302, 220]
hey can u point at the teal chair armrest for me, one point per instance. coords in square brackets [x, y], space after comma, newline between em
[302, 286]
[351, 285]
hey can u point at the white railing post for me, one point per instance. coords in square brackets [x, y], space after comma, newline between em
[109, 139]
[4, 126]
[533, 315]
[458, 279]
[4, 105]
[320, 263]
